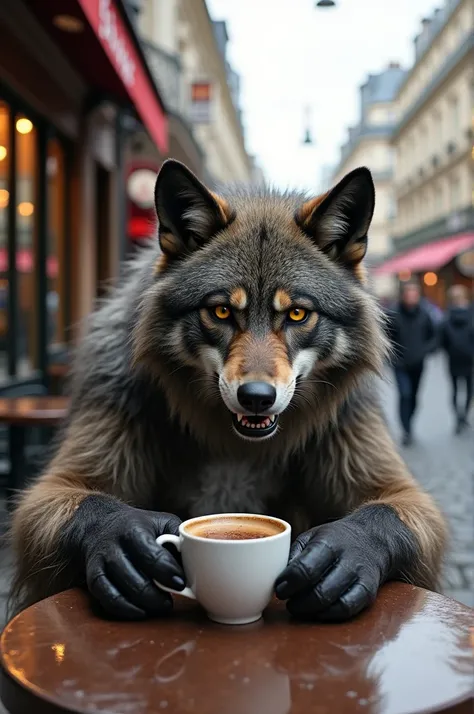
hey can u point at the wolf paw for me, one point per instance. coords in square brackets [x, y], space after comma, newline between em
[335, 571]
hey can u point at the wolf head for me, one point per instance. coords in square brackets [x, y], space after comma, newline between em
[260, 294]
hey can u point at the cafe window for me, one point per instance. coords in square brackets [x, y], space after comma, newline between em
[56, 247]
[4, 201]
[26, 237]
[34, 209]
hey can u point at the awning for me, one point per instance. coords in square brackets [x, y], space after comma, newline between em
[107, 53]
[430, 256]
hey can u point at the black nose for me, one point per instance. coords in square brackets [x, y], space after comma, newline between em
[256, 397]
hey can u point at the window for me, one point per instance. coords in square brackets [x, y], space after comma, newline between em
[26, 204]
[33, 212]
[421, 145]
[454, 191]
[391, 207]
[56, 259]
[439, 200]
[454, 117]
[4, 201]
[438, 131]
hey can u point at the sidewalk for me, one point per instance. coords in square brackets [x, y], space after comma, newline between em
[444, 464]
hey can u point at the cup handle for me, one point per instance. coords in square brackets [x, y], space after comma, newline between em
[176, 541]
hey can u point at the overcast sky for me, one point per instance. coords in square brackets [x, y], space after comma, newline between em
[290, 54]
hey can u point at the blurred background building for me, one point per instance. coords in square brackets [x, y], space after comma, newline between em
[187, 54]
[368, 144]
[94, 95]
[415, 133]
[433, 235]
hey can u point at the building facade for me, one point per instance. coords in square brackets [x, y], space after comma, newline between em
[72, 75]
[368, 144]
[187, 54]
[433, 144]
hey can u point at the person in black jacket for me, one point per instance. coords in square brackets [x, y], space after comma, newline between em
[458, 341]
[413, 335]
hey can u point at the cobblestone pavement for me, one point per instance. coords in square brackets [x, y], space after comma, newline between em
[444, 464]
[441, 461]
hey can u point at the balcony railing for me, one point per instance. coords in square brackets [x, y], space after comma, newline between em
[166, 70]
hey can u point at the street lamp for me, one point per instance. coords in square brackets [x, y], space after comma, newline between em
[326, 3]
[308, 138]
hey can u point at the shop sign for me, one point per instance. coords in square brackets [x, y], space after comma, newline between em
[465, 263]
[201, 103]
[141, 187]
[110, 32]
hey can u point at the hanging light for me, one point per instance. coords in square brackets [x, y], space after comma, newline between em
[326, 3]
[308, 138]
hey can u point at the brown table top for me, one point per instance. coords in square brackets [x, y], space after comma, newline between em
[33, 411]
[411, 652]
[58, 369]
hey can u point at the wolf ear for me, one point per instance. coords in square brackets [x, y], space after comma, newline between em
[188, 213]
[338, 221]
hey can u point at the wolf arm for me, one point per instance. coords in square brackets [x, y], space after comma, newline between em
[74, 525]
[392, 530]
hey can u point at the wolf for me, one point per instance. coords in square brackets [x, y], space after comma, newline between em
[234, 370]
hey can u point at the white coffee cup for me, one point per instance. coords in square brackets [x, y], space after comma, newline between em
[232, 577]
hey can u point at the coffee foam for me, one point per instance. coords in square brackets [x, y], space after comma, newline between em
[235, 528]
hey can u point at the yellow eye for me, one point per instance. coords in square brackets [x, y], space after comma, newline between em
[222, 312]
[297, 314]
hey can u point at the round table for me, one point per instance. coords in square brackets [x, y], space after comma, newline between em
[411, 652]
[33, 411]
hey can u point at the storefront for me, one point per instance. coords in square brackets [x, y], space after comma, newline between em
[437, 266]
[71, 75]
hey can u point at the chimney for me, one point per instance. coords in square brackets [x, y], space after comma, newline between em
[394, 65]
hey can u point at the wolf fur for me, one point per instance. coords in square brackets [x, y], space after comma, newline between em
[154, 380]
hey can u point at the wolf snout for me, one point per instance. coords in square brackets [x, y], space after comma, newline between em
[256, 397]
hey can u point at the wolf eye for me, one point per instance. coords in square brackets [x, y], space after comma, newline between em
[222, 312]
[298, 314]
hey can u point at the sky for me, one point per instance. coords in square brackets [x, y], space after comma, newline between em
[291, 55]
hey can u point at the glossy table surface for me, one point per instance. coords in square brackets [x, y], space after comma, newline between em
[411, 652]
[33, 411]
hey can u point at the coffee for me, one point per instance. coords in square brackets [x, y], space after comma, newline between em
[235, 528]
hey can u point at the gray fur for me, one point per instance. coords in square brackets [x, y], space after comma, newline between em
[148, 424]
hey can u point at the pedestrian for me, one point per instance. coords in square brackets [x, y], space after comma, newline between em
[414, 336]
[458, 342]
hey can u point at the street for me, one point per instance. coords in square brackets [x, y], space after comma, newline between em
[442, 462]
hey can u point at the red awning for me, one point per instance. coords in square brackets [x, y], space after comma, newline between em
[427, 257]
[106, 53]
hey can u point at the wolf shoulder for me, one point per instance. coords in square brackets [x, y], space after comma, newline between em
[102, 373]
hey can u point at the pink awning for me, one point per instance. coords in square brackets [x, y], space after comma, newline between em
[427, 257]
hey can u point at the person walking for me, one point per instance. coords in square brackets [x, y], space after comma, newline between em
[458, 342]
[414, 335]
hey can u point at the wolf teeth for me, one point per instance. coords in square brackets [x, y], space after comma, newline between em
[240, 417]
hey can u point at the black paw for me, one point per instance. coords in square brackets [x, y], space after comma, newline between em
[116, 547]
[335, 570]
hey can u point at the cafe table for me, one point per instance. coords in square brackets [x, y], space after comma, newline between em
[21, 413]
[411, 652]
